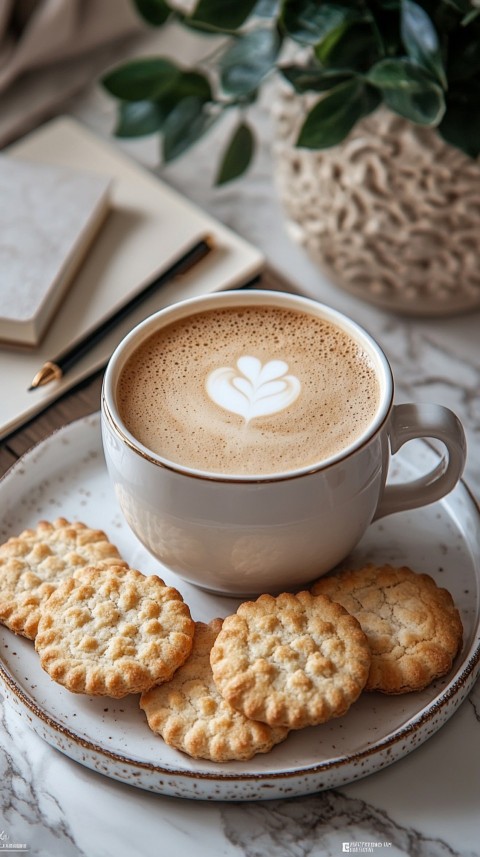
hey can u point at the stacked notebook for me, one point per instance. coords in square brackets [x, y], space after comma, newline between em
[49, 217]
[147, 226]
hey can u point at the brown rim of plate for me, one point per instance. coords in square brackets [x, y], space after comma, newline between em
[468, 672]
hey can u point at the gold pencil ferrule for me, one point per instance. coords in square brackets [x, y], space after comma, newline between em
[49, 372]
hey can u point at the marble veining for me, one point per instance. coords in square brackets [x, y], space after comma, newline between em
[304, 827]
[29, 816]
[474, 700]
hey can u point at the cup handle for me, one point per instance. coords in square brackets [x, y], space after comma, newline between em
[412, 421]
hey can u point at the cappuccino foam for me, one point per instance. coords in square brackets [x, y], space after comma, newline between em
[248, 390]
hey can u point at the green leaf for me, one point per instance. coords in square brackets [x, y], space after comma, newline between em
[191, 83]
[237, 155]
[350, 46]
[139, 118]
[198, 26]
[313, 78]
[187, 119]
[184, 126]
[462, 6]
[461, 128]
[266, 8]
[385, 20]
[421, 40]
[471, 17]
[309, 22]
[223, 14]
[464, 57]
[408, 90]
[251, 57]
[334, 116]
[141, 80]
[154, 12]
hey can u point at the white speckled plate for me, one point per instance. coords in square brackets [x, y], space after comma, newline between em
[66, 475]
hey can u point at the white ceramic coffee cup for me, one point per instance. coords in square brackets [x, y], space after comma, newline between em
[243, 535]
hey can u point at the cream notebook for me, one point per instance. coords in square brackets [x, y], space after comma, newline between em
[148, 227]
[52, 216]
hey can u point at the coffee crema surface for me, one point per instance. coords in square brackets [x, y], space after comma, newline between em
[248, 390]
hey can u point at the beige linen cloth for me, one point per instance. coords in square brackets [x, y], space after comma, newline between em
[50, 49]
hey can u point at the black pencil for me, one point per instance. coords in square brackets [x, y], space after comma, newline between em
[56, 368]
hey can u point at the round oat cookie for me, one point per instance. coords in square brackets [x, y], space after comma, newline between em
[294, 660]
[190, 715]
[112, 631]
[35, 562]
[413, 628]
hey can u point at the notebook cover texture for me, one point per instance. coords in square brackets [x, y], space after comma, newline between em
[149, 225]
[49, 215]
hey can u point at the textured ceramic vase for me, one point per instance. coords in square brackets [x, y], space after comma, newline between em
[392, 213]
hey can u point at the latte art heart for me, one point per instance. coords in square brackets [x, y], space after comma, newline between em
[252, 389]
[195, 392]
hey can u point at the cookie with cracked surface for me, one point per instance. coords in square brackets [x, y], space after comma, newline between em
[113, 631]
[412, 625]
[34, 563]
[191, 715]
[291, 660]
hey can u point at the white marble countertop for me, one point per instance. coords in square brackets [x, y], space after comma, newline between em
[425, 805]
